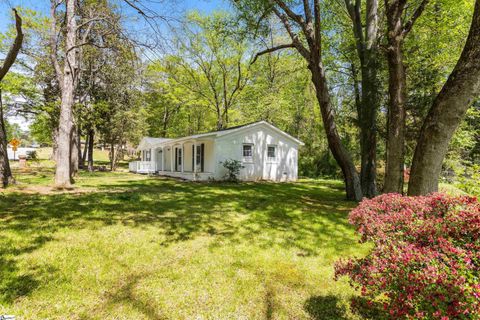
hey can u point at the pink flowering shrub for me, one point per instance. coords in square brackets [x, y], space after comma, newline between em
[425, 262]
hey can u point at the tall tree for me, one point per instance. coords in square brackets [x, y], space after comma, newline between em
[366, 41]
[308, 26]
[66, 78]
[397, 30]
[93, 18]
[5, 172]
[446, 113]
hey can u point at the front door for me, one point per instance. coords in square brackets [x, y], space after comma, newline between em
[159, 160]
[199, 161]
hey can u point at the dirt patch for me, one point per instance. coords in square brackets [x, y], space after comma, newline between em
[46, 190]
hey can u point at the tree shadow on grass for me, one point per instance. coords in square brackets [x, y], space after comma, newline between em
[331, 307]
[304, 216]
[369, 310]
[124, 293]
[13, 281]
[325, 307]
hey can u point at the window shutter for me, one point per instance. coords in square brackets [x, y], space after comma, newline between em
[176, 159]
[202, 157]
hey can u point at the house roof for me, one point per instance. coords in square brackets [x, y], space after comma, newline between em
[217, 133]
[148, 142]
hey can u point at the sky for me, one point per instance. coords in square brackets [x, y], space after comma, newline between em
[43, 6]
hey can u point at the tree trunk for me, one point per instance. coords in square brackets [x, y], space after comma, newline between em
[366, 38]
[165, 121]
[446, 113]
[370, 102]
[54, 144]
[312, 30]
[63, 171]
[80, 161]
[74, 159]
[395, 153]
[368, 130]
[112, 157]
[352, 182]
[85, 150]
[91, 140]
[219, 121]
[5, 171]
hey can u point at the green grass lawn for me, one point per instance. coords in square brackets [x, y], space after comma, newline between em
[125, 246]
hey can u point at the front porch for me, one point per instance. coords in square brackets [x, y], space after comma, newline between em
[189, 160]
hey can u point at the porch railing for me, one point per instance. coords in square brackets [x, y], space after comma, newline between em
[142, 166]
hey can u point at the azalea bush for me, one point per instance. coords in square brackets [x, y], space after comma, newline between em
[425, 261]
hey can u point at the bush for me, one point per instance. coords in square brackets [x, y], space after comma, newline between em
[425, 263]
[319, 165]
[233, 169]
[32, 155]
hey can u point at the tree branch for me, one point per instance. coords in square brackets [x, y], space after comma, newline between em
[418, 12]
[308, 11]
[292, 15]
[273, 49]
[53, 43]
[298, 45]
[17, 45]
[318, 25]
[89, 21]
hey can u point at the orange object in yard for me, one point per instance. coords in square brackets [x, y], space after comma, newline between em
[14, 143]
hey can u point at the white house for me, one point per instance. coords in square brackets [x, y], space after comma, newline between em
[266, 153]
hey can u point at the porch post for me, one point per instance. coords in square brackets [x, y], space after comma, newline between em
[194, 156]
[183, 155]
[163, 159]
[153, 159]
[172, 162]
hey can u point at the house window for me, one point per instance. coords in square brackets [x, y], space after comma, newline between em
[247, 152]
[272, 153]
[147, 155]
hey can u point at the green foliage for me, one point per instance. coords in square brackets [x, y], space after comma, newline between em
[463, 156]
[431, 51]
[233, 169]
[41, 130]
[469, 180]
